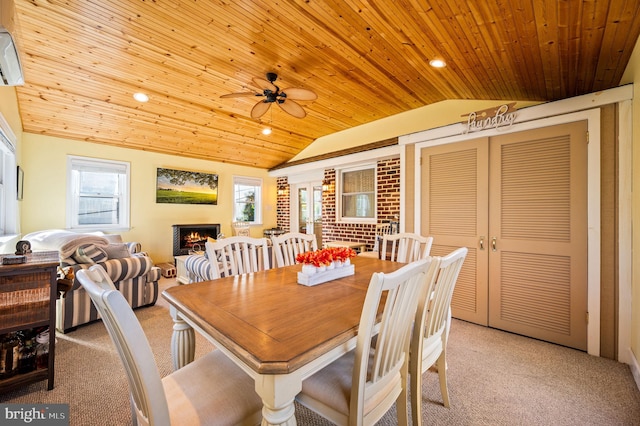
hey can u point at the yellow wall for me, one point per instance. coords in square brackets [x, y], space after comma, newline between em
[43, 206]
[632, 75]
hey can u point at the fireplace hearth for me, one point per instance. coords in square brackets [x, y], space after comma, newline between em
[192, 237]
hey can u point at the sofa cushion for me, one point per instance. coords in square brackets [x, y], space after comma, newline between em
[117, 251]
[130, 267]
[90, 253]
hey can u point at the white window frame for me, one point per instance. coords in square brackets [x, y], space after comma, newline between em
[9, 218]
[339, 185]
[122, 168]
[249, 181]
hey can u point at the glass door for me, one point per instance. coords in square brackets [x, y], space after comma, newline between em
[308, 216]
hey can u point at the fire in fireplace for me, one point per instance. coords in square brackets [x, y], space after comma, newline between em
[192, 237]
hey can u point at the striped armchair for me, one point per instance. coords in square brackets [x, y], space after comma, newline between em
[131, 270]
[134, 274]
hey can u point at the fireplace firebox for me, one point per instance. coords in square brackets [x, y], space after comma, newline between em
[192, 237]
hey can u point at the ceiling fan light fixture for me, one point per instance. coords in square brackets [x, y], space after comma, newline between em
[141, 97]
[437, 63]
[271, 94]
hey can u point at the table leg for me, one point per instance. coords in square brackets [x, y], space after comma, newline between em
[183, 341]
[277, 393]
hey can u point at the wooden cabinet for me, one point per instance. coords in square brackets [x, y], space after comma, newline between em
[28, 301]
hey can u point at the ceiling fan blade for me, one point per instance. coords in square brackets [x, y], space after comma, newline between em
[240, 94]
[299, 94]
[293, 108]
[264, 84]
[259, 109]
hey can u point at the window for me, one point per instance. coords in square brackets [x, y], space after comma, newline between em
[98, 194]
[247, 195]
[357, 194]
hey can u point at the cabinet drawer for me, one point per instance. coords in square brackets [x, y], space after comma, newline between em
[24, 298]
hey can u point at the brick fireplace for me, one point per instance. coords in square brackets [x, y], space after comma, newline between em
[191, 237]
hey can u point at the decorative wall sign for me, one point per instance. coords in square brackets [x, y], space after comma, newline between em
[502, 116]
[184, 187]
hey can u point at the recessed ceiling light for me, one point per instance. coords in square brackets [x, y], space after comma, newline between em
[140, 97]
[437, 63]
[266, 131]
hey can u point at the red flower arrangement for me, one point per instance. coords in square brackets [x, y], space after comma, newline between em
[324, 257]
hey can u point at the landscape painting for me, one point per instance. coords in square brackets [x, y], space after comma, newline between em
[184, 187]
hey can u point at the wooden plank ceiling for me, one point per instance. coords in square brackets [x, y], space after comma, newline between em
[366, 60]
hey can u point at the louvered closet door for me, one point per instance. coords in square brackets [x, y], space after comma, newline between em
[454, 211]
[538, 234]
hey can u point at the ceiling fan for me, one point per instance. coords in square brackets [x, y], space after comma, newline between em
[285, 98]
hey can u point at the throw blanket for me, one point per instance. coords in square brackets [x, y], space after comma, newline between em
[66, 242]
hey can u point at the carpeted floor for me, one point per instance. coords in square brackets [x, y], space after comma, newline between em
[495, 378]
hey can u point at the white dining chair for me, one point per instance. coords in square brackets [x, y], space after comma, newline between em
[382, 229]
[361, 386]
[405, 247]
[237, 255]
[430, 335]
[210, 390]
[287, 246]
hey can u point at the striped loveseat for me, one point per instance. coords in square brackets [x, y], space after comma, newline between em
[130, 269]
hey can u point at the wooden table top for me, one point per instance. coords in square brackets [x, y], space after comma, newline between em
[273, 323]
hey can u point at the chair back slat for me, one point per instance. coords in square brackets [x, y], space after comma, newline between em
[406, 247]
[288, 246]
[238, 255]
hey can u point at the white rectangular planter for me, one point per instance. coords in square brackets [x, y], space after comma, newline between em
[328, 275]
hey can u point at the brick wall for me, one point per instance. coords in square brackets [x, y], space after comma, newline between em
[283, 204]
[388, 205]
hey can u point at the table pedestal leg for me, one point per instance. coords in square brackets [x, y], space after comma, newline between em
[282, 417]
[183, 341]
[278, 393]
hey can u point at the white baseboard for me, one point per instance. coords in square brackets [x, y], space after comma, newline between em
[635, 367]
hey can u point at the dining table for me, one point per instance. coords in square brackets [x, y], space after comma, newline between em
[277, 330]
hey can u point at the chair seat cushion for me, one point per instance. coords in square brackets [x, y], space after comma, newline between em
[331, 386]
[211, 390]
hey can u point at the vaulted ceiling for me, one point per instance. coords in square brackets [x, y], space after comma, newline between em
[366, 60]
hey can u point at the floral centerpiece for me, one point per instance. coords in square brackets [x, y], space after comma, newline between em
[321, 260]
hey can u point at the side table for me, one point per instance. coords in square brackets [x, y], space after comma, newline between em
[358, 247]
[182, 276]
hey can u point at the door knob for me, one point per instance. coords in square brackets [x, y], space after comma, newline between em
[493, 244]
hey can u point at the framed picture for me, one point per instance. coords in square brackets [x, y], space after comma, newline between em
[20, 180]
[185, 187]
